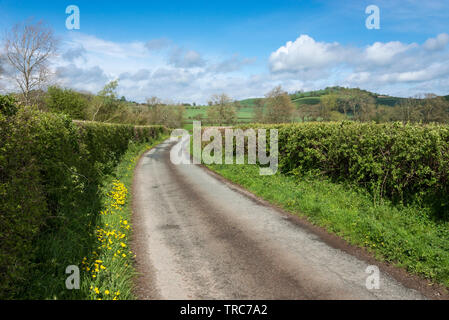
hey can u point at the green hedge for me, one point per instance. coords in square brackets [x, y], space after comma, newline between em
[403, 162]
[47, 163]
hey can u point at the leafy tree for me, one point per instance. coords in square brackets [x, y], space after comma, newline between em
[328, 103]
[105, 103]
[67, 101]
[361, 103]
[434, 109]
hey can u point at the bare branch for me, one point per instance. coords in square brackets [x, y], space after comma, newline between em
[28, 48]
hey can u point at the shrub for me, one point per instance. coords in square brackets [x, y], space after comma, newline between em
[47, 163]
[67, 101]
[7, 105]
[404, 162]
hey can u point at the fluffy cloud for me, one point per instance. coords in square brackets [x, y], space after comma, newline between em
[95, 45]
[305, 53]
[159, 67]
[88, 79]
[148, 68]
[142, 74]
[385, 53]
[182, 58]
[74, 53]
[232, 64]
[381, 66]
[438, 43]
[158, 44]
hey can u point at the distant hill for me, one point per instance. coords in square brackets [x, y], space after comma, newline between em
[246, 107]
[313, 97]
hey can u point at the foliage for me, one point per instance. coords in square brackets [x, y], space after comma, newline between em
[106, 103]
[402, 162]
[328, 103]
[95, 238]
[169, 116]
[48, 164]
[67, 101]
[8, 105]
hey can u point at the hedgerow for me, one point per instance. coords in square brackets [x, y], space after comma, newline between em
[48, 163]
[402, 162]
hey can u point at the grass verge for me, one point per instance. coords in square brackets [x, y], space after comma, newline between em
[95, 239]
[408, 237]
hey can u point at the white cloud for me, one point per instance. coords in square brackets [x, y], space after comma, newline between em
[385, 53]
[232, 64]
[182, 58]
[382, 66]
[74, 53]
[438, 43]
[158, 44]
[140, 75]
[305, 53]
[103, 47]
[146, 69]
[88, 79]
[187, 75]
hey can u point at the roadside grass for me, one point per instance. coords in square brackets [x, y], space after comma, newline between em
[408, 237]
[95, 239]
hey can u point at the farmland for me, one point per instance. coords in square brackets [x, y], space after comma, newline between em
[307, 107]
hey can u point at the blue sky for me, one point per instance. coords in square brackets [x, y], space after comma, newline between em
[188, 50]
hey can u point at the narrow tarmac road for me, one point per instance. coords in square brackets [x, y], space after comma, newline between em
[196, 237]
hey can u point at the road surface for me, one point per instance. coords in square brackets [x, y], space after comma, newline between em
[198, 237]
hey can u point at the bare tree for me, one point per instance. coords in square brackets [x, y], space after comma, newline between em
[2, 62]
[279, 106]
[153, 102]
[221, 110]
[220, 100]
[258, 116]
[28, 48]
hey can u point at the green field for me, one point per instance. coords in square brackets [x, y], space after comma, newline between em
[244, 114]
[246, 111]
